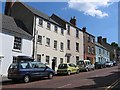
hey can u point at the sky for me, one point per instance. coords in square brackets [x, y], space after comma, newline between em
[99, 17]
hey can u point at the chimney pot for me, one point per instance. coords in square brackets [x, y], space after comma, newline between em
[84, 29]
[73, 21]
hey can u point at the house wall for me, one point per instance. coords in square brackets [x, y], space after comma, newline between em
[103, 57]
[8, 52]
[73, 39]
[90, 55]
[43, 49]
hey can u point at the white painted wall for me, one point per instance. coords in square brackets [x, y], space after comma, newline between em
[73, 40]
[50, 51]
[8, 53]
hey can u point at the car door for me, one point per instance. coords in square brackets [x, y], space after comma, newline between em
[35, 69]
[42, 69]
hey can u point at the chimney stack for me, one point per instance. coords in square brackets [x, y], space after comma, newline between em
[8, 6]
[84, 29]
[73, 21]
[99, 39]
[105, 40]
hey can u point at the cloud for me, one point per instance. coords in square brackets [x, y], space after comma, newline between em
[91, 7]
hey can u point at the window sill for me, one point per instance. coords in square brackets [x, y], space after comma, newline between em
[39, 43]
[55, 49]
[47, 45]
[61, 51]
[40, 25]
[48, 29]
[15, 50]
[77, 51]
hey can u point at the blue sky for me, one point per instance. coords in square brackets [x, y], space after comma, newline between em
[99, 23]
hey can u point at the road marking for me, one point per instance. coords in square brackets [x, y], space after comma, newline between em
[64, 85]
[113, 84]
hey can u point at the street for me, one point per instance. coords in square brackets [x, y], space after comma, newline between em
[100, 78]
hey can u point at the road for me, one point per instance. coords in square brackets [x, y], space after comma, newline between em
[100, 78]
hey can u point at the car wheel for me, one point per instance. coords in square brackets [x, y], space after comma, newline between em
[26, 78]
[69, 72]
[77, 71]
[50, 76]
[87, 69]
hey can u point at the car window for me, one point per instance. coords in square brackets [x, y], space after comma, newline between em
[13, 66]
[24, 65]
[41, 65]
[80, 63]
[62, 66]
[38, 65]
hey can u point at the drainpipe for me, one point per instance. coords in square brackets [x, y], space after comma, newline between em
[34, 30]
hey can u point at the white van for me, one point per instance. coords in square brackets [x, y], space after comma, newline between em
[85, 65]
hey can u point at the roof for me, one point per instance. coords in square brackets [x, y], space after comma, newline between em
[13, 25]
[65, 21]
[40, 14]
[100, 45]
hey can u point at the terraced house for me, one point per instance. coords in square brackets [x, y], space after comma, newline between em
[54, 38]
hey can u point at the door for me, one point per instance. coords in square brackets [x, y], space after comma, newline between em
[42, 69]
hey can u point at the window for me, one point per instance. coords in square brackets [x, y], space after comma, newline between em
[55, 58]
[48, 25]
[47, 60]
[103, 51]
[48, 41]
[88, 38]
[68, 59]
[14, 59]
[99, 51]
[39, 39]
[89, 50]
[39, 58]
[77, 47]
[93, 40]
[77, 59]
[40, 22]
[17, 43]
[55, 44]
[68, 31]
[93, 51]
[77, 33]
[56, 28]
[68, 44]
[62, 31]
[61, 60]
[61, 46]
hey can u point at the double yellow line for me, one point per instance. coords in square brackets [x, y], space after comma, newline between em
[113, 84]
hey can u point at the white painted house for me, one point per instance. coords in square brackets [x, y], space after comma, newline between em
[15, 42]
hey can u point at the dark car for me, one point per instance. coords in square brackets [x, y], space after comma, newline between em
[27, 70]
[99, 65]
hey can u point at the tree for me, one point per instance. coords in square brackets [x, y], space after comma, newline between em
[114, 44]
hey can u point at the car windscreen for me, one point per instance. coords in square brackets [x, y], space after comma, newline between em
[80, 63]
[62, 66]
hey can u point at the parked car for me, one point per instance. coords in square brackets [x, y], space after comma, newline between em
[99, 65]
[114, 63]
[27, 70]
[67, 68]
[109, 63]
[85, 65]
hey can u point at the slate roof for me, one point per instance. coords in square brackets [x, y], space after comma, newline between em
[100, 45]
[13, 25]
[40, 14]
